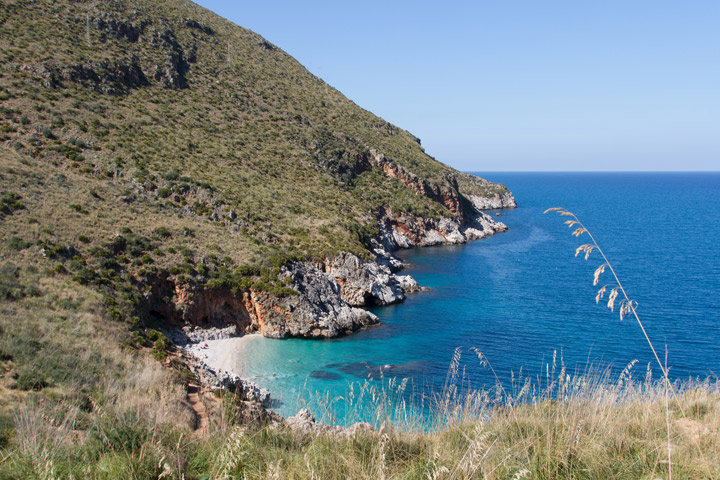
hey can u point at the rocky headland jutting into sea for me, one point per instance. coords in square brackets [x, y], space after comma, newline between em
[329, 293]
[202, 182]
[327, 305]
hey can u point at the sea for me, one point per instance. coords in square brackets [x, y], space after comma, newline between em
[509, 306]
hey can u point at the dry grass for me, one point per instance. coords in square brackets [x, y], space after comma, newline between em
[627, 306]
[133, 422]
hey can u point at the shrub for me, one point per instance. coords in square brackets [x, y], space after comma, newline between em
[247, 270]
[154, 335]
[48, 133]
[10, 286]
[30, 378]
[10, 203]
[17, 243]
[162, 232]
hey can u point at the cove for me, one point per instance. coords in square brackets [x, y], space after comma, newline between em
[522, 298]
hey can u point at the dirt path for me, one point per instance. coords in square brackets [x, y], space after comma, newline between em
[199, 409]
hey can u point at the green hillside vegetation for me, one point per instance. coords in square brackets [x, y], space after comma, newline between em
[145, 138]
[229, 125]
[210, 146]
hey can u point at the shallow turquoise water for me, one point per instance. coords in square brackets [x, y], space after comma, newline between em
[520, 297]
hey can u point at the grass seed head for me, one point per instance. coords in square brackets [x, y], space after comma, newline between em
[612, 297]
[587, 248]
[600, 294]
[598, 272]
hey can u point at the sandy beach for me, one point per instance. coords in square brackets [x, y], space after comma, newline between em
[226, 354]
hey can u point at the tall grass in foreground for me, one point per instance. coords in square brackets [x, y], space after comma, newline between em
[586, 425]
[626, 306]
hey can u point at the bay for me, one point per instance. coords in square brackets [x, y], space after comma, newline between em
[522, 299]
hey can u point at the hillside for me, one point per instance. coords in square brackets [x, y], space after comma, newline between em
[175, 175]
[155, 140]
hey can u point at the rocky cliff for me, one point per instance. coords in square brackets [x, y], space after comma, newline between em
[328, 293]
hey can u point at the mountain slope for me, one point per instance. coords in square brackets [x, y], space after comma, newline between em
[159, 152]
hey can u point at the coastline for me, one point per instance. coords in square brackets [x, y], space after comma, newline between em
[219, 353]
[222, 355]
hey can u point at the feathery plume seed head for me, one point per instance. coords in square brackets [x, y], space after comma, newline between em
[598, 272]
[627, 307]
[587, 248]
[600, 294]
[553, 209]
[612, 297]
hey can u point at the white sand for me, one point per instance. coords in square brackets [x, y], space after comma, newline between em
[226, 354]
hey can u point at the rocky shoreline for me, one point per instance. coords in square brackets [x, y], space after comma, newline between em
[211, 355]
[329, 303]
[330, 294]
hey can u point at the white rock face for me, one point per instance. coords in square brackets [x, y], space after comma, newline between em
[499, 200]
[428, 232]
[367, 283]
[401, 240]
[304, 422]
[432, 237]
[319, 310]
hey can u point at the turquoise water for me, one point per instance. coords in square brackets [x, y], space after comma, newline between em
[521, 297]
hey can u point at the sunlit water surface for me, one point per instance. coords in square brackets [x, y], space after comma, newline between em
[521, 297]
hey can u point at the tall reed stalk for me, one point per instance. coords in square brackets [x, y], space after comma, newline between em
[626, 307]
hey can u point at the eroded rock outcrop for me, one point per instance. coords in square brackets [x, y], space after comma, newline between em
[406, 231]
[449, 198]
[368, 283]
[304, 422]
[496, 201]
[317, 311]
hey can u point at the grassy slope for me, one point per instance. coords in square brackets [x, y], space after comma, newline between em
[252, 131]
[259, 136]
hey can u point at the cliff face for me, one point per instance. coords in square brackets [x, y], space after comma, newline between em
[495, 201]
[325, 305]
[447, 197]
[328, 293]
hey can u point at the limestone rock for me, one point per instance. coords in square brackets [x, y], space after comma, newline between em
[367, 283]
[498, 200]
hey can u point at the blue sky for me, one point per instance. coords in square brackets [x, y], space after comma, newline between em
[519, 85]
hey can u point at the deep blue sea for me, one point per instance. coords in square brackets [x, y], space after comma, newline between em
[521, 297]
